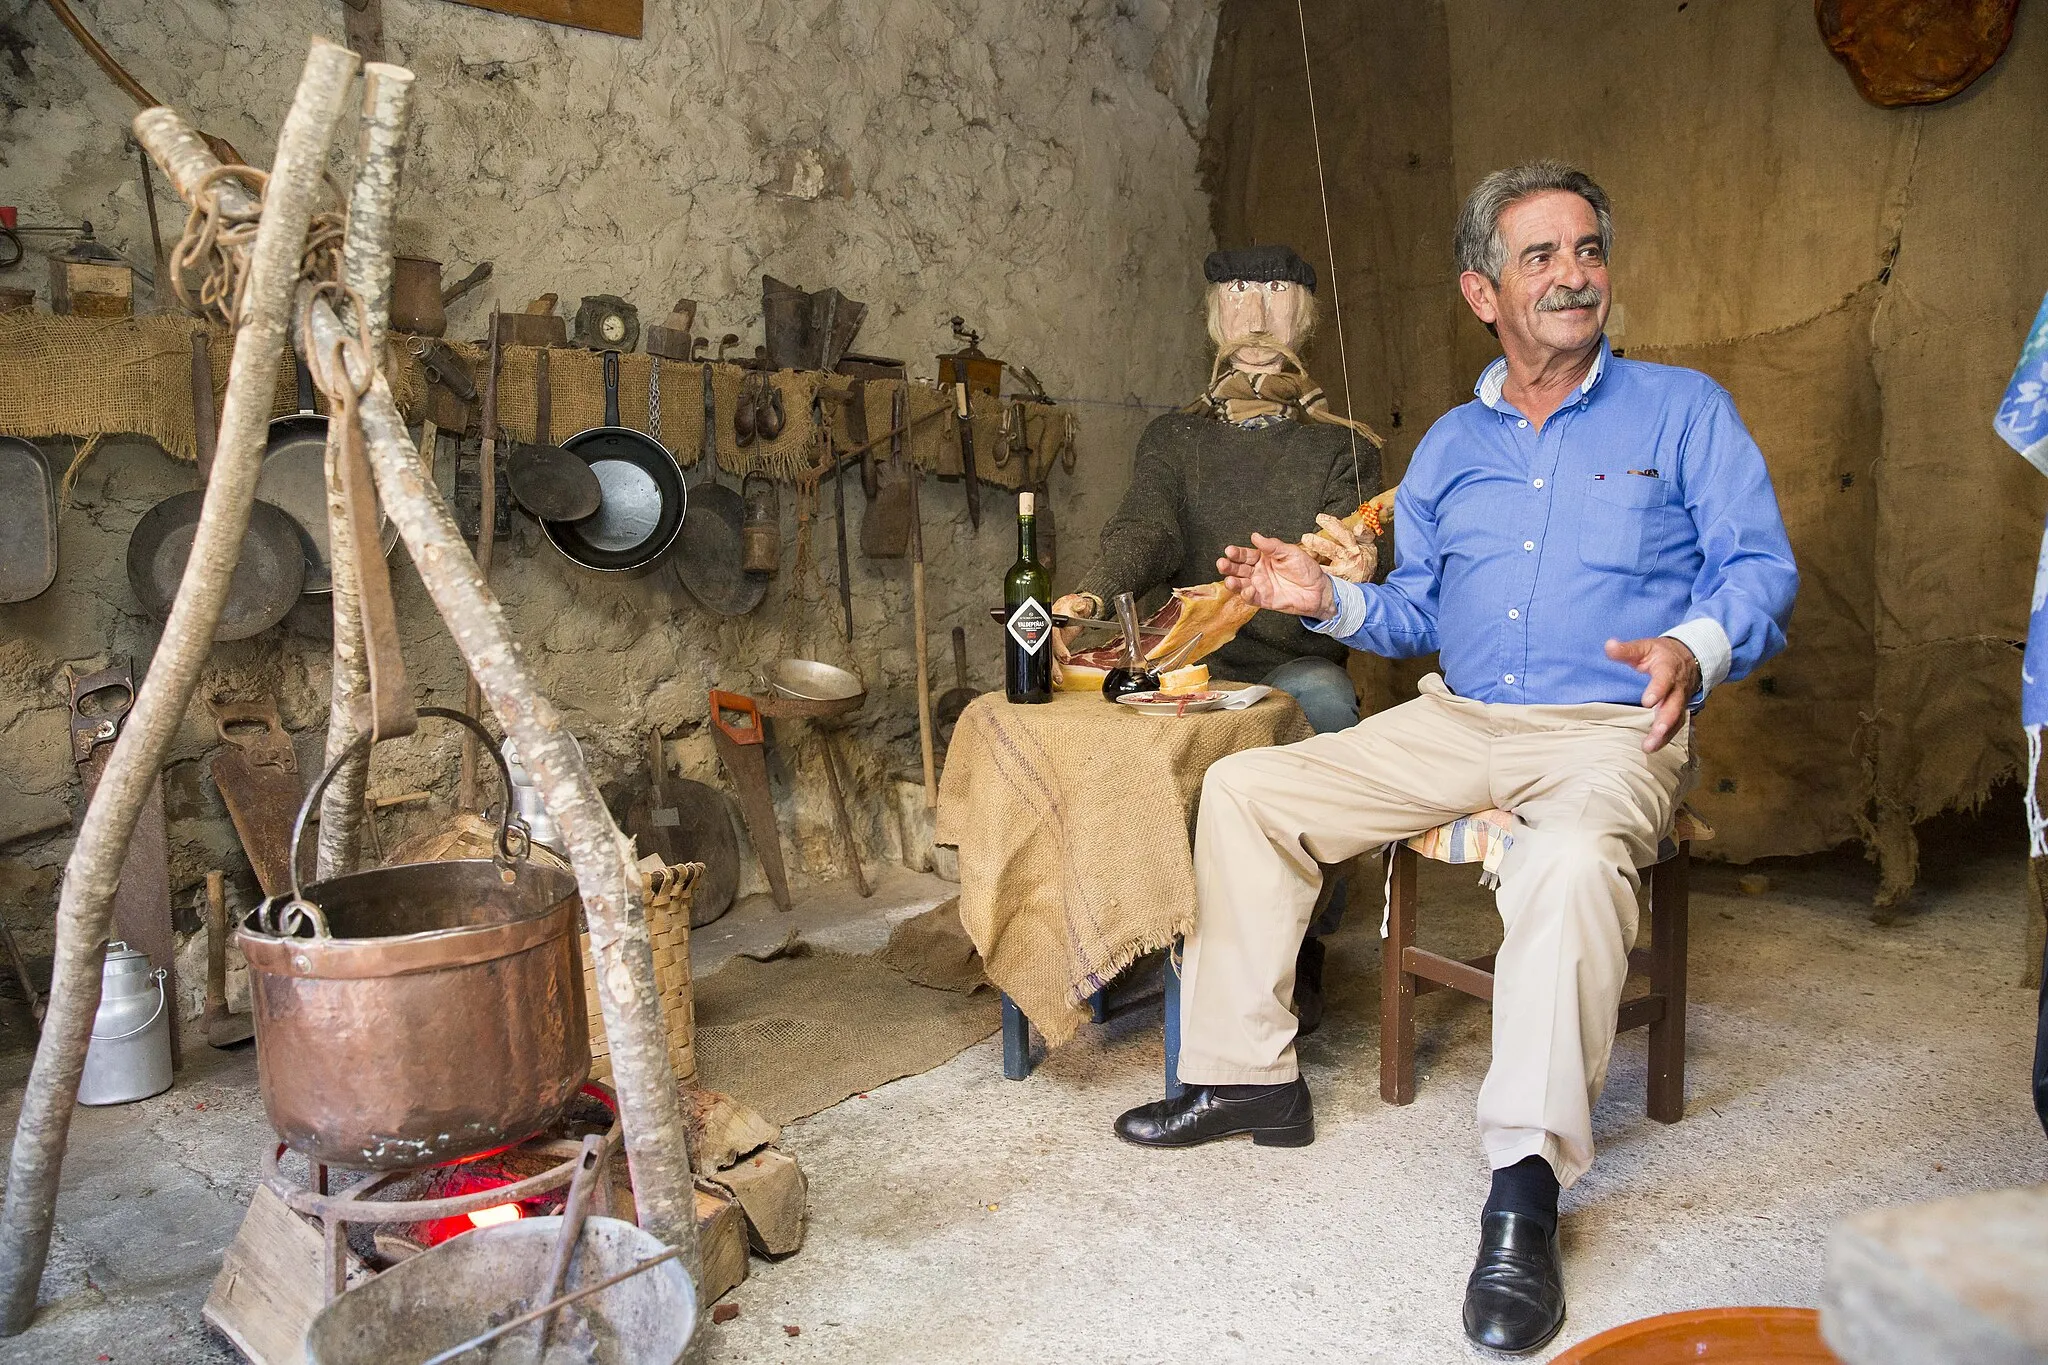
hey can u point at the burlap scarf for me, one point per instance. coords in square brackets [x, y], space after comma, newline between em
[1239, 396]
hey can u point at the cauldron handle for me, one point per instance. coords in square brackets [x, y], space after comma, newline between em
[506, 825]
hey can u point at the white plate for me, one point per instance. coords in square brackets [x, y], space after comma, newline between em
[1161, 704]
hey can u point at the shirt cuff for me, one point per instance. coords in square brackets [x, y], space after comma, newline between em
[1350, 614]
[1709, 644]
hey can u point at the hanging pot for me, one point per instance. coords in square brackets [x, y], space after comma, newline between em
[708, 560]
[422, 1013]
[418, 302]
[643, 496]
[761, 532]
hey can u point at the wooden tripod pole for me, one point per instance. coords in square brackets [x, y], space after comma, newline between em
[366, 269]
[85, 907]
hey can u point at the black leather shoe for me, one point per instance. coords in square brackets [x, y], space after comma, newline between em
[1514, 1301]
[1279, 1116]
[1308, 986]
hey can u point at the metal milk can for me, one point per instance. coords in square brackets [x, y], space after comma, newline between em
[129, 1057]
[526, 802]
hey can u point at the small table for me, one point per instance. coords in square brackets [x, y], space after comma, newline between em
[1074, 821]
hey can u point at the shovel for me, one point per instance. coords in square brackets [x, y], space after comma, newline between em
[885, 530]
[222, 1029]
[954, 700]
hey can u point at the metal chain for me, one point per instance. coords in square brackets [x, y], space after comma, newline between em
[654, 399]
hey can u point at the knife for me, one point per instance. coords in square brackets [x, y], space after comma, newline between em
[967, 455]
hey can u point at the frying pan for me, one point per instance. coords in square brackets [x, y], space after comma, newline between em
[545, 479]
[28, 520]
[268, 578]
[709, 561]
[644, 495]
[294, 477]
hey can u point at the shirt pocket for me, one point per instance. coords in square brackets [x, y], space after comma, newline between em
[1624, 521]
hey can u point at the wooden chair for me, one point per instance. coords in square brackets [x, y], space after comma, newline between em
[1407, 971]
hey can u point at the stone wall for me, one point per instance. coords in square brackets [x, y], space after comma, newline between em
[1028, 164]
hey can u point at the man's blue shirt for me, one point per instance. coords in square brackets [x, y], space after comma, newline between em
[1641, 508]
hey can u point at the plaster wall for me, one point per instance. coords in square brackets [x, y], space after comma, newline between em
[1028, 164]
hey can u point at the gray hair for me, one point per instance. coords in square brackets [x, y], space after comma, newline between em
[1479, 246]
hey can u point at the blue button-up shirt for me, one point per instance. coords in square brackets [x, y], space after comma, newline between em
[1641, 508]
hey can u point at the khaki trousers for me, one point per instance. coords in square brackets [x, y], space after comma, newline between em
[1592, 806]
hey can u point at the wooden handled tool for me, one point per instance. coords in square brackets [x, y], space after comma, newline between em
[924, 668]
[967, 454]
[486, 540]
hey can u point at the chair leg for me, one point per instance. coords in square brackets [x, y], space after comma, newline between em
[1171, 980]
[1016, 1041]
[1669, 912]
[1098, 1006]
[1397, 987]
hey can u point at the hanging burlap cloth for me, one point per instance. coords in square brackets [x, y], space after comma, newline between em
[1074, 824]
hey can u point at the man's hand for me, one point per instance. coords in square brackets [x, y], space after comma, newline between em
[1278, 576]
[1674, 676]
[1341, 552]
[1073, 604]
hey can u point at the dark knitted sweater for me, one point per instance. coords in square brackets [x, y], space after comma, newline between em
[1199, 484]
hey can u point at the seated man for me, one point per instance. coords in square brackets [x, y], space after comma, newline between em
[1585, 522]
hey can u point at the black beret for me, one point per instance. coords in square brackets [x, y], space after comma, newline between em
[1262, 263]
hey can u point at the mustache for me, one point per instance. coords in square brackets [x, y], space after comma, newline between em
[1252, 341]
[1561, 298]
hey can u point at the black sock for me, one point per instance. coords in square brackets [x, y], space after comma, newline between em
[1529, 1187]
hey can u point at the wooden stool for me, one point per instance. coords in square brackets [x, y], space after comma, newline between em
[1407, 971]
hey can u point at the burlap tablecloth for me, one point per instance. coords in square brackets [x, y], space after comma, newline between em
[1074, 822]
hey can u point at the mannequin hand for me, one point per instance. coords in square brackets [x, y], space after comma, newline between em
[1341, 552]
[1278, 576]
[1073, 604]
[1674, 676]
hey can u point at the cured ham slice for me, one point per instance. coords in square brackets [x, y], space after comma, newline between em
[1210, 615]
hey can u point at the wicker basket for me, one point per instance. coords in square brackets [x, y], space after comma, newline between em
[670, 891]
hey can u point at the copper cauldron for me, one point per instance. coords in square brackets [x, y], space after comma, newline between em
[417, 1014]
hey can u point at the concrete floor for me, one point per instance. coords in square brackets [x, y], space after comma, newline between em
[957, 1216]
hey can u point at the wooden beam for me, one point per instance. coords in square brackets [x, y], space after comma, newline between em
[621, 17]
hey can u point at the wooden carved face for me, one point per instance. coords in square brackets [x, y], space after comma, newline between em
[1249, 310]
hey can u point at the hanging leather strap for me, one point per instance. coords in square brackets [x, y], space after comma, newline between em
[391, 710]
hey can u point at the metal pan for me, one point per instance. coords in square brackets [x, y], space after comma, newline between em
[294, 477]
[708, 562]
[28, 520]
[644, 495]
[269, 576]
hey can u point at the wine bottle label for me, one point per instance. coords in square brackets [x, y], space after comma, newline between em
[1031, 625]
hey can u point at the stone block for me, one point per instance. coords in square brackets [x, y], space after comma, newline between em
[1932, 1284]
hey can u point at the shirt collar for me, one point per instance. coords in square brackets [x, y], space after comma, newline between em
[1495, 377]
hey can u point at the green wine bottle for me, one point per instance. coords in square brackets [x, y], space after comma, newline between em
[1027, 625]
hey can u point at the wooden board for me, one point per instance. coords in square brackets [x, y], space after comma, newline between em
[772, 1191]
[622, 17]
[269, 1287]
[721, 1245]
